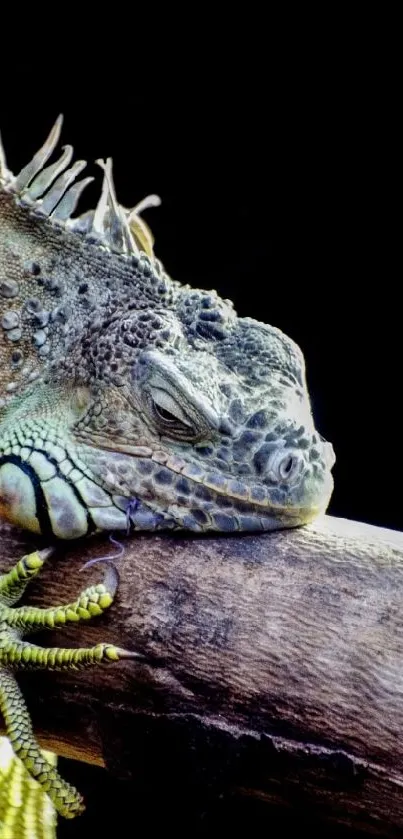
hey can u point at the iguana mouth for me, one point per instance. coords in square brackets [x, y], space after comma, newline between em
[197, 498]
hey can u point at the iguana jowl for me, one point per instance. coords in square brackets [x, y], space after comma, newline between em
[127, 397]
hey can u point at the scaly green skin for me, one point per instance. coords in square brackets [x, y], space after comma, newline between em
[25, 809]
[128, 399]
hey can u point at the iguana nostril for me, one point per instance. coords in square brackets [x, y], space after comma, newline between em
[289, 466]
[284, 465]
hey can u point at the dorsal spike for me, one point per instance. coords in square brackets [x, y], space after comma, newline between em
[139, 229]
[45, 178]
[146, 204]
[142, 235]
[68, 204]
[3, 165]
[60, 186]
[110, 220]
[102, 208]
[39, 159]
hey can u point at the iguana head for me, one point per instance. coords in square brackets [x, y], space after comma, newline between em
[156, 405]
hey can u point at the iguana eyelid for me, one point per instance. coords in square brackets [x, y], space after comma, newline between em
[164, 400]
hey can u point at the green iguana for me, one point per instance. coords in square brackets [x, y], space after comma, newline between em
[127, 399]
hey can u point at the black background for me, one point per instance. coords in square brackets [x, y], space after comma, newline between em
[276, 162]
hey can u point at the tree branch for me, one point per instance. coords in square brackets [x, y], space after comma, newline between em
[275, 665]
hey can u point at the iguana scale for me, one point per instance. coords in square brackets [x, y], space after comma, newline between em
[127, 399]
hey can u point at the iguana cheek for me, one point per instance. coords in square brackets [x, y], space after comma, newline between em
[17, 497]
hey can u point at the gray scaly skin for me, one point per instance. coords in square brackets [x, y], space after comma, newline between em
[128, 397]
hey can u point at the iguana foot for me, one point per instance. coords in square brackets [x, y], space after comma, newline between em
[16, 653]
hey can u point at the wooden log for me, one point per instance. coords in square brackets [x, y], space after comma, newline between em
[273, 666]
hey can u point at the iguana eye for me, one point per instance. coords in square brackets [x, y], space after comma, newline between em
[167, 410]
[163, 414]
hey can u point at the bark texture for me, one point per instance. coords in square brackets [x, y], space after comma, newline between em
[274, 666]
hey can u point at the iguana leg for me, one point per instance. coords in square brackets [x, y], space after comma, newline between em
[16, 653]
[66, 799]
